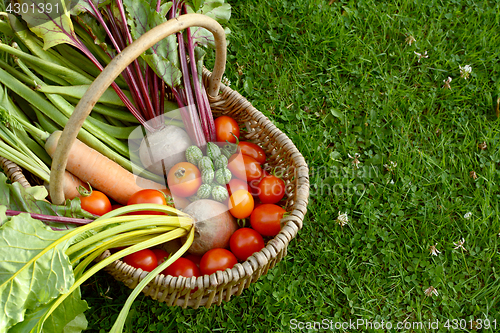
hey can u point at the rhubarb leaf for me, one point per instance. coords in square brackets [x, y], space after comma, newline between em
[26, 283]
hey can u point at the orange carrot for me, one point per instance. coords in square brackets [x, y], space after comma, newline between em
[102, 173]
[71, 183]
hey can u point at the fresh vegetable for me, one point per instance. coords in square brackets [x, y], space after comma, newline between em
[182, 267]
[144, 259]
[193, 154]
[205, 163]
[223, 176]
[163, 148]
[266, 218]
[253, 150]
[69, 254]
[204, 191]
[94, 202]
[219, 193]
[213, 151]
[271, 189]
[207, 176]
[217, 259]
[194, 258]
[103, 174]
[220, 162]
[244, 242]
[184, 179]
[214, 225]
[226, 129]
[148, 196]
[244, 167]
[71, 185]
[236, 184]
[241, 204]
[161, 255]
[16, 198]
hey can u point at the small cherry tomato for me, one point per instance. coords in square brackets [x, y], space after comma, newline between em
[244, 242]
[184, 179]
[265, 219]
[236, 184]
[96, 203]
[116, 206]
[147, 196]
[144, 259]
[244, 167]
[241, 204]
[161, 255]
[182, 267]
[217, 260]
[194, 258]
[253, 150]
[271, 189]
[224, 126]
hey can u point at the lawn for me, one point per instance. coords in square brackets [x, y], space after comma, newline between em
[363, 89]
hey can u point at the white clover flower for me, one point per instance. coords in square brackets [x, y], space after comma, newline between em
[460, 245]
[391, 166]
[421, 55]
[226, 81]
[465, 71]
[447, 83]
[431, 291]
[342, 219]
[410, 40]
[355, 160]
[467, 215]
[433, 250]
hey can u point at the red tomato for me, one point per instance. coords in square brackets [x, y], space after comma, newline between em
[96, 203]
[182, 267]
[271, 189]
[253, 187]
[266, 218]
[217, 260]
[143, 259]
[241, 204]
[244, 242]
[147, 196]
[116, 206]
[252, 150]
[244, 167]
[236, 184]
[161, 255]
[224, 126]
[184, 179]
[194, 258]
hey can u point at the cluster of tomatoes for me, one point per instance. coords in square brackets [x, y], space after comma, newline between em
[253, 194]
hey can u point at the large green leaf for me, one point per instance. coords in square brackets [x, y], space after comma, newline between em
[219, 11]
[26, 283]
[162, 57]
[67, 317]
[54, 26]
[31, 200]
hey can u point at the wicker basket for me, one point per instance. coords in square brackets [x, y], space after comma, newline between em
[281, 152]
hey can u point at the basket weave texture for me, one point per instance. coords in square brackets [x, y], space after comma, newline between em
[222, 285]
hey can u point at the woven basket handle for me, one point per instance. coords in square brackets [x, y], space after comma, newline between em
[115, 68]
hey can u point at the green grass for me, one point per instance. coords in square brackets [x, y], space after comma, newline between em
[340, 79]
